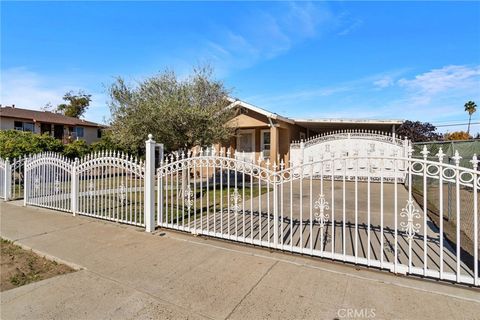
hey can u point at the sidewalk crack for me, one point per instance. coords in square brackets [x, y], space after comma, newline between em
[251, 289]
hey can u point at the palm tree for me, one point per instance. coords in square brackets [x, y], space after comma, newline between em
[470, 107]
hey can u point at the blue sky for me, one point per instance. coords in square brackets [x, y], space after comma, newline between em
[379, 60]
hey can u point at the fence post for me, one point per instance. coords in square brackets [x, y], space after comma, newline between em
[74, 190]
[25, 181]
[8, 180]
[149, 188]
[302, 151]
[275, 206]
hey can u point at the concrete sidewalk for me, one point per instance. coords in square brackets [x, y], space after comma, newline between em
[129, 274]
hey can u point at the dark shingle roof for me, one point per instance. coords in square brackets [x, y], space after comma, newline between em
[44, 116]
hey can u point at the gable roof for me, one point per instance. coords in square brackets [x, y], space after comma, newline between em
[307, 122]
[45, 116]
[268, 114]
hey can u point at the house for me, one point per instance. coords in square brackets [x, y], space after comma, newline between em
[57, 125]
[261, 134]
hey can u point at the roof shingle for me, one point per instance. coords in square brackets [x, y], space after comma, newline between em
[44, 116]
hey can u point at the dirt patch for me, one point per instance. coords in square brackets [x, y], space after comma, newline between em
[19, 267]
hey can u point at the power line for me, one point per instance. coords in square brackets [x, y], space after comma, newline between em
[456, 124]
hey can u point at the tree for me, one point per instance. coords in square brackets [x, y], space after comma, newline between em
[418, 131]
[76, 104]
[457, 135]
[471, 108]
[180, 113]
[106, 143]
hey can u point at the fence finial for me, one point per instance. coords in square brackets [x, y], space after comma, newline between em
[440, 154]
[474, 161]
[425, 152]
[456, 158]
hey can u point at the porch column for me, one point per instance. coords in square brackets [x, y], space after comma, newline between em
[274, 149]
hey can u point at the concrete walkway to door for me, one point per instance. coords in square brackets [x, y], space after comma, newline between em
[126, 273]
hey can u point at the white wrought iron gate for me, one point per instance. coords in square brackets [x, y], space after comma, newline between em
[361, 144]
[322, 208]
[48, 181]
[387, 212]
[105, 185]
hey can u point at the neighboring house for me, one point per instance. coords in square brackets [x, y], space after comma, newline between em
[57, 125]
[266, 135]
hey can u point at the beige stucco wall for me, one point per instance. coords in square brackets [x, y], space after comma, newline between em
[90, 133]
[258, 122]
[6, 123]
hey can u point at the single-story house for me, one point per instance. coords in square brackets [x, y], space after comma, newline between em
[55, 124]
[266, 135]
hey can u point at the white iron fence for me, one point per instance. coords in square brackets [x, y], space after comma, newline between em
[11, 178]
[322, 208]
[350, 144]
[104, 185]
[3, 179]
[360, 209]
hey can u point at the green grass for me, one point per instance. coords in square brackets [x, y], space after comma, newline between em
[199, 208]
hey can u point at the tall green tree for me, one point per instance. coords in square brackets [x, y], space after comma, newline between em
[179, 112]
[471, 108]
[76, 104]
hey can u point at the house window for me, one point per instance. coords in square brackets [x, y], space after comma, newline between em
[265, 143]
[18, 125]
[24, 126]
[99, 133]
[79, 132]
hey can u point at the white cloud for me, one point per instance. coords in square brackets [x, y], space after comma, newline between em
[263, 35]
[448, 80]
[383, 82]
[351, 27]
[30, 90]
[27, 89]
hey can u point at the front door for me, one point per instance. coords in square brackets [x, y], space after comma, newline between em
[246, 145]
[58, 131]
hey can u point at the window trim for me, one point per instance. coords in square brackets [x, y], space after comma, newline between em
[76, 132]
[262, 142]
[245, 131]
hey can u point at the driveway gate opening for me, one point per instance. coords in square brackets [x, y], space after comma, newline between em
[328, 208]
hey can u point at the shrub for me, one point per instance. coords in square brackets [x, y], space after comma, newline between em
[15, 144]
[457, 135]
[76, 149]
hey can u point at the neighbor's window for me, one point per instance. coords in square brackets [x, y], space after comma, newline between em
[24, 126]
[18, 125]
[28, 126]
[79, 132]
[99, 133]
[265, 143]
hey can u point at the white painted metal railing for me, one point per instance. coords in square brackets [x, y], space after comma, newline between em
[11, 178]
[3, 179]
[314, 209]
[327, 208]
[48, 183]
[110, 186]
[350, 144]
[105, 185]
